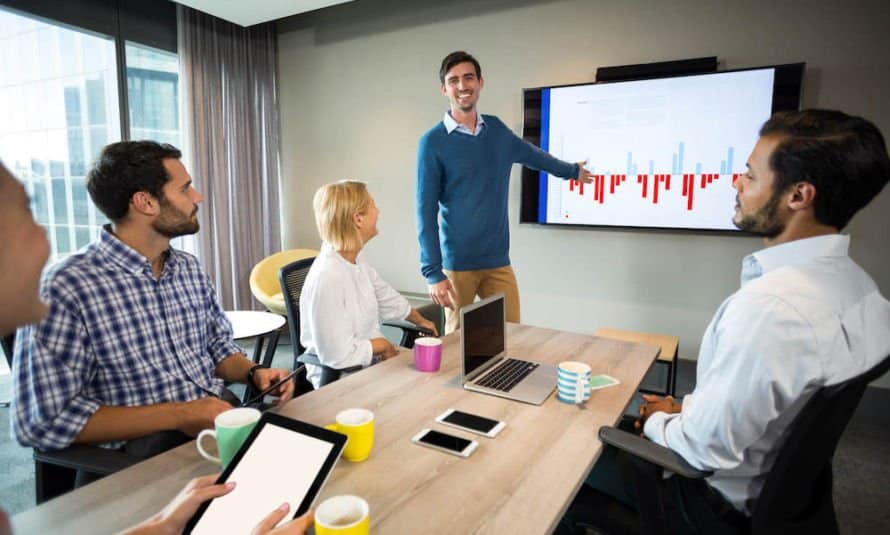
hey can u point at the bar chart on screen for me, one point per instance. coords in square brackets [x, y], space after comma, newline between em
[662, 154]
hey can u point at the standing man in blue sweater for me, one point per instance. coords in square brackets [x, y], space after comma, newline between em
[463, 173]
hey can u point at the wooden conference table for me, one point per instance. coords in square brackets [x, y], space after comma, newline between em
[522, 481]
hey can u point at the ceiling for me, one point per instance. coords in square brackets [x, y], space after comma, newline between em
[248, 13]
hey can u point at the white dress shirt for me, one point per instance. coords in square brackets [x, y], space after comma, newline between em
[806, 316]
[451, 125]
[341, 307]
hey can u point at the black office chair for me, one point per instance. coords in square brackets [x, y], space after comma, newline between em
[292, 277]
[797, 494]
[56, 472]
[7, 343]
[411, 332]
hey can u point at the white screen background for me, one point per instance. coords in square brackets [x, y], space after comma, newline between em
[279, 467]
[649, 119]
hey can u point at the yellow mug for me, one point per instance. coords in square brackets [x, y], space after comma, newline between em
[358, 426]
[343, 515]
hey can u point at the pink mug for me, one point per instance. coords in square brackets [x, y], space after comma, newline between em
[427, 354]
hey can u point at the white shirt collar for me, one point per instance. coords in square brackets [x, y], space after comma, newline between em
[328, 250]
[451, 125]
[793, 253]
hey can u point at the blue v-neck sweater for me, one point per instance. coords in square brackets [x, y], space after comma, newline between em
[465, 179]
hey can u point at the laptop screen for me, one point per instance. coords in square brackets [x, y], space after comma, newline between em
[483, 334]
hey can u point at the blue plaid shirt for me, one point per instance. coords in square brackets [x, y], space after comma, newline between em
[116, 336]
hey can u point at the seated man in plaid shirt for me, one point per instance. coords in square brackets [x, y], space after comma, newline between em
[135, 345]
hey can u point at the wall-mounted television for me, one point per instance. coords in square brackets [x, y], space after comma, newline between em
[664, 151]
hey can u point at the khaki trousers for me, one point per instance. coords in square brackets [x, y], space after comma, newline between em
[484, 283]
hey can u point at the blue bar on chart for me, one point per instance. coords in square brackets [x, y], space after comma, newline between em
[680, 158]
[729, 153]
[630, 163]
[651, 167]
[674, 165]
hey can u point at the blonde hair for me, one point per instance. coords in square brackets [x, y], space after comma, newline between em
[334, 206]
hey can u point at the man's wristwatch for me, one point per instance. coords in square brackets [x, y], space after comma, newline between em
[251, 372]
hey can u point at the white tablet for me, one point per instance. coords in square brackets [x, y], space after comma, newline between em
[282, 460]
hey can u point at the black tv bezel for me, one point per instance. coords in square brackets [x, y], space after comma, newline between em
[787, 95]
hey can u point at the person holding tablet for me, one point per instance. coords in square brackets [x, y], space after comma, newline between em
[344, 299]
[22, 258]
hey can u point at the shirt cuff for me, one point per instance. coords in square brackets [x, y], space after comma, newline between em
[368, 356]
[656, 425]
[435, 277]
[69, 423]
[224, 350]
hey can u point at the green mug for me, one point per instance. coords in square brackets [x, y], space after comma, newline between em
[232, 428]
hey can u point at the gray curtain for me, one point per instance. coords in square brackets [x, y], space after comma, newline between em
[229, 82]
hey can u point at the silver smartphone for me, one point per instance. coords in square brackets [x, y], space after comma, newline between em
[471, 422]
[436, 440]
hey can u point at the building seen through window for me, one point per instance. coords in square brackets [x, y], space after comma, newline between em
[59, 106]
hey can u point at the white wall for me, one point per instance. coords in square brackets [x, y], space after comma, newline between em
[359, 86]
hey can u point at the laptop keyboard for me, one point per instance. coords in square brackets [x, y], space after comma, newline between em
[507, 374]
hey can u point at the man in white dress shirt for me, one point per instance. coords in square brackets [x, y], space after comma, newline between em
[806, 315]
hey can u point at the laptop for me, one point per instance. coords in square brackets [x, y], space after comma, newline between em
[485, 366]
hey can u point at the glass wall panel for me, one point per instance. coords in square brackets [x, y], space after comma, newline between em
[58, 108]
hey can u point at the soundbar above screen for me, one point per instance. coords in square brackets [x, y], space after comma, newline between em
[664, 151]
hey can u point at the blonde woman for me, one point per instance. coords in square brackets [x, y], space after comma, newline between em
[344, 299]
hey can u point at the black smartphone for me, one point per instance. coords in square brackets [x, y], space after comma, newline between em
[471, 422]
[445, 442]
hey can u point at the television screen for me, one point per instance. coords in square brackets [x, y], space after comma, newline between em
[664, 152]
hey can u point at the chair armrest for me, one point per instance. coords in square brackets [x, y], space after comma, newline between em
[649, 451]
[309, 358]
[407, 326]
[89, 458]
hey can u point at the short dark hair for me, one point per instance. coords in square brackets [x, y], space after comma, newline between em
[125, 168]
[453, 59]
[842, 156]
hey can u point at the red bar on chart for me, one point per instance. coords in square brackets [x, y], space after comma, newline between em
[691, 191]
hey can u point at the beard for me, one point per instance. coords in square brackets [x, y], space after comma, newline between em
[172, 223]
[765, 222]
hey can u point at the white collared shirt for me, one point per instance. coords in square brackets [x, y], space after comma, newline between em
[341, 307]
[805, 316]
[451, 125]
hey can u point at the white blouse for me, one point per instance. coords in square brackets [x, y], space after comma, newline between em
[341, 307]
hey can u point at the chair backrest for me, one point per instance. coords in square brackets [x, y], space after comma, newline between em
[292, 277]
[796, 496]
[9, 347]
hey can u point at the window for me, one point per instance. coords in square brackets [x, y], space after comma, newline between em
[60, 105]
[58, 108]
[153, 94]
